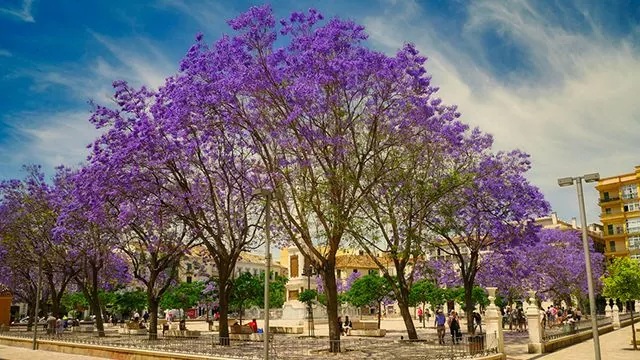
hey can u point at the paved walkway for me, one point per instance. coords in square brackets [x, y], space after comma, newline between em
[615, 345]
[17, 353]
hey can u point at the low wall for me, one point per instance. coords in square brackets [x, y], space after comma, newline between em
[563, 342]
[102, 351]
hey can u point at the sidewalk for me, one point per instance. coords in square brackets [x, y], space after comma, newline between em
[17, 353]
[615, 345]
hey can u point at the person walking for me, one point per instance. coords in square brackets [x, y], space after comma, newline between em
[439, 323]
[454, 327]
[420, 316]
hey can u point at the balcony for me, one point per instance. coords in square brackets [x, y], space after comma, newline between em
[614, 232]
[608, 200]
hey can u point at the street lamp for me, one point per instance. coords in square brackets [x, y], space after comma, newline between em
[267, 274]
[308, 272]
[568, 181]
[37, 309]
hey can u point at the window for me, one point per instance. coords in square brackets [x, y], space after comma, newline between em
[607, 211]
[610, 229]
[294, 266]
[355, 270]
[188, 279]
[339, 274]
[634, 206]
[372, 272]
[255, 272]
[606, 195]
[633, 225]
[612, 246]
[629, 191]
[189, 266]
[634, 242]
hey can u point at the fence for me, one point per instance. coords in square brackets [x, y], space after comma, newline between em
[625, 316]
[292, 347]
[573, 328]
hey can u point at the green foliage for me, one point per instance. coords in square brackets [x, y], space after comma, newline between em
[369, 289]
[184, 296]
[307, 296]
[128, 301]
[74, 301]
[247, 290]
[623, 281]
[478, 296]
[277, 291]
[426, 291]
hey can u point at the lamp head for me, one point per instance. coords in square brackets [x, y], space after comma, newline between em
[566, 181]
[591, 177]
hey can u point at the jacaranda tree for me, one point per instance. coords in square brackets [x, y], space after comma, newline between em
[497, 209]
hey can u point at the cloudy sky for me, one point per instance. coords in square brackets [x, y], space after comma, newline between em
[558, 79]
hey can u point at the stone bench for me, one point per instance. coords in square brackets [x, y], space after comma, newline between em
[286, 329]
[182, 333]
[127, 331]
[369, 332]
[247, 337]
[83, 328]
[364, 325]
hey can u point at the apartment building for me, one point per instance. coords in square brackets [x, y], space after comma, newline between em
[620, 214]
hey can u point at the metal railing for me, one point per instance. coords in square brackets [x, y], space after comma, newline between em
[566, 329]
[291, 347]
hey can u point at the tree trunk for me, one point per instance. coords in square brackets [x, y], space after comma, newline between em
[403, 304]
[96, 302]
[633, 332]
[379, 312]
[331, 291]
[31, 314]
[153, 316]
[223, 309]
[468, 306]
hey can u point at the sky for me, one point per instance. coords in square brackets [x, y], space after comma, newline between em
[557, 79]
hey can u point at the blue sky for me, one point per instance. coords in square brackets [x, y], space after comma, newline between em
[558, 79]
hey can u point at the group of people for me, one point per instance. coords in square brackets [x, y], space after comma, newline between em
[346, 326]
[453, 322]
[515, 318]
[556, 316]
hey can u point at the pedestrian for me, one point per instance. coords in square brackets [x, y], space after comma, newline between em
[427, 315]
[477, 321]
[146, 316]
[454, 327]
[420, 315]
[51, 324]
[340, 325]
[439, 323]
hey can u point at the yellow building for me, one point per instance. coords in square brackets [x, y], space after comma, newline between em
[620, 214]
[595, 231]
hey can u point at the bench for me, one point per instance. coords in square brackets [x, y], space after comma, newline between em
[182, 333]
[286, 329]
[364, 325]
[247, 337]
[240, 329]
[128, 331]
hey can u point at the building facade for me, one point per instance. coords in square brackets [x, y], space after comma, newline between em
[197, 266]
[595, 231]
[620, 214]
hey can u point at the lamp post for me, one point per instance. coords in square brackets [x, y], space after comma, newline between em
[267, 274]
[308, 272]
[568, 181]
[37, 309]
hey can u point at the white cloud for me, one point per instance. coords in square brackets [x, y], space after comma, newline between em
[23, 13]
[576, 112]
[49, 140]
[61, 138]
[6, 53]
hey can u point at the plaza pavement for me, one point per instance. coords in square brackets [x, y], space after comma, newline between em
[17, 353]
[615, 345]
